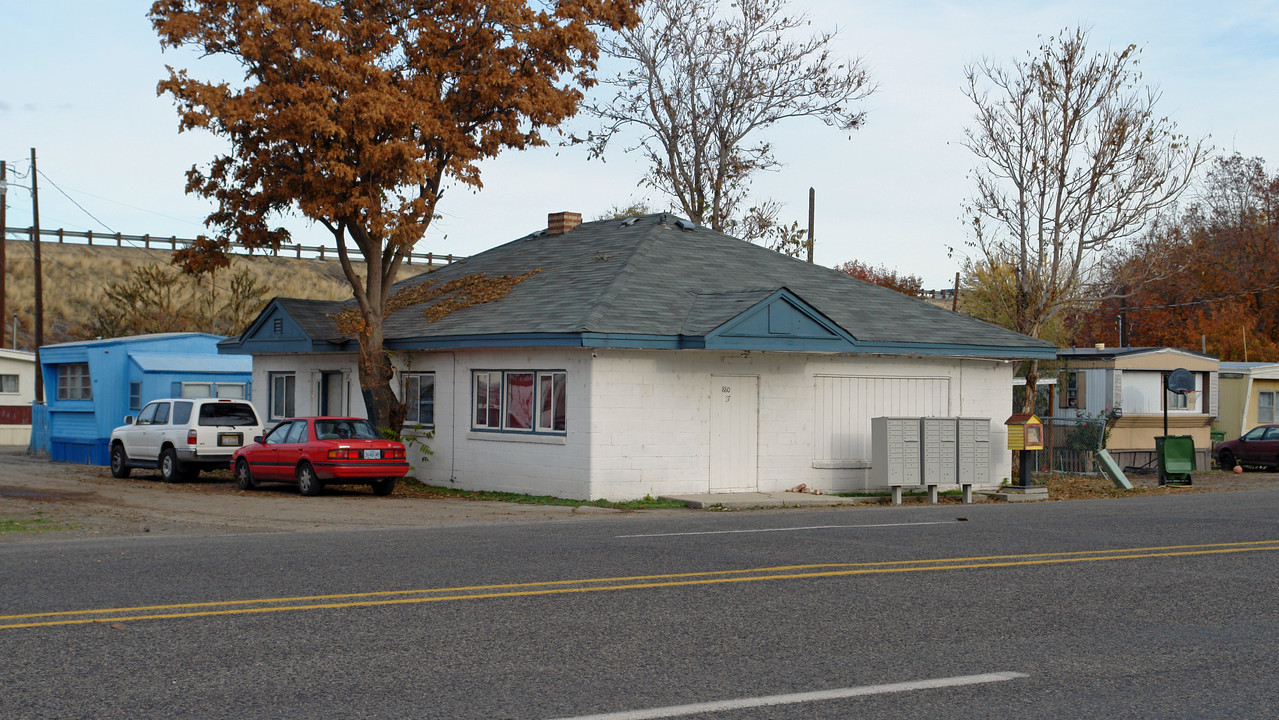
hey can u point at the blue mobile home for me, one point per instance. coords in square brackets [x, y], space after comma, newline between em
[90, 386]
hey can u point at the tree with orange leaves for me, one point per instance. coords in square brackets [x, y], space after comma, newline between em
[354, 113]
[1216, 285]
[887, 277]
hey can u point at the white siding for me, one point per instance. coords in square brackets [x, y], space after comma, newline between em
[1143, 393]
[845, 405]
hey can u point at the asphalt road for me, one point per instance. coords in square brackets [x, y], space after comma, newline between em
[1138, 608]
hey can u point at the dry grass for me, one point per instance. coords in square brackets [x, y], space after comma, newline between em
[76, 277]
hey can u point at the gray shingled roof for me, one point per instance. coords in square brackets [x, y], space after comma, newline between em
[652, 278]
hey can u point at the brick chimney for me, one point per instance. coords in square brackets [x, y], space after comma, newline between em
[561, 222]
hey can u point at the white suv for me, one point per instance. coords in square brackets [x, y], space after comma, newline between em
[182, 436]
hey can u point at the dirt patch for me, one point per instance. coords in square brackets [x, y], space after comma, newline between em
[40, 499]
[1077, 487]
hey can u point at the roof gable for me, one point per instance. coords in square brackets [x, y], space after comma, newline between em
[780, 321]
[288, 325]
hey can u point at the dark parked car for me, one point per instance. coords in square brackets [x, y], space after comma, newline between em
[1258, 447]
[313, 451]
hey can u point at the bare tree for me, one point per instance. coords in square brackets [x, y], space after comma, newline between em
[703, 82]
[1071, 159]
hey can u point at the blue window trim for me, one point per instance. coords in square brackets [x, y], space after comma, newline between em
[535, 372]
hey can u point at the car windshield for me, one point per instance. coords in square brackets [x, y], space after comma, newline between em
[345, 430]
[227, 414]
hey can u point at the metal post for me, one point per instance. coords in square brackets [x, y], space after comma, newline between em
[1024, 467]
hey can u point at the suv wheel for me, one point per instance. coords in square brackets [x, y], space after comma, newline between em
[171, 470]
[384, 486]
[119, 461]
[308, 483]
[244, 476]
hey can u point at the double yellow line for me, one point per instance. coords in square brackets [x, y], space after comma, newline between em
[637, 582]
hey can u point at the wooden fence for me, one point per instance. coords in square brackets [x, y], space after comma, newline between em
[174, 243]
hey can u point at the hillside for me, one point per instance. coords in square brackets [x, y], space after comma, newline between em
[82, 289]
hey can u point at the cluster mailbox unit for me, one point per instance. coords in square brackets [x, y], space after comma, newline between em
[930, 451]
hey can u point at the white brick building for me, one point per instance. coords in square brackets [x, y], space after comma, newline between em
[651, 358]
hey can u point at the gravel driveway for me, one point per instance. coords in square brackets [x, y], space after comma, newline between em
[40, 499]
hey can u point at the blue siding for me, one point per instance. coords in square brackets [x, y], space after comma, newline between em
[80, 452]
[78, 431]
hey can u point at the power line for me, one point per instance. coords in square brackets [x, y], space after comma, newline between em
[1205, 301]
[45, 175]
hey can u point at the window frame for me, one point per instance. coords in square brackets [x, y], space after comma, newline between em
[1272, 396]
[289, 409]
[16, 382]
[82, 378]
[203, 387]
[411, 386]
[558, 399]
[552, 420]
[242, 388]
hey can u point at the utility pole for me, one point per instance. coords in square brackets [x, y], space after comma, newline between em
[35, 247]
[812, 200]
[4, 268]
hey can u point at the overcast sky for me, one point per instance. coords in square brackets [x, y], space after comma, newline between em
[78, 84]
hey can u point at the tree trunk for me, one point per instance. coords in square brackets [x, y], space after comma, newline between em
[1032, 389]
[384, 409]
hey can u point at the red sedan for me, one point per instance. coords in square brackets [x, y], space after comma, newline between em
[313, 451]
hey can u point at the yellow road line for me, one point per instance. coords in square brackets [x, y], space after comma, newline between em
[558, 587]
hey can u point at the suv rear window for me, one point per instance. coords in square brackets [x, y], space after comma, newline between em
[224, 414]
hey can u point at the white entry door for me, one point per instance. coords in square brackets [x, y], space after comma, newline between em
[734, 433]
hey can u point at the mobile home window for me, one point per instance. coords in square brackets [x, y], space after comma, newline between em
[197, 390]
[232, 391]
[8, 384]
[135, 395]
[73, 382]
[1266, 407]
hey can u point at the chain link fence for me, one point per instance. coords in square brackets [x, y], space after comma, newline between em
[1071, 445]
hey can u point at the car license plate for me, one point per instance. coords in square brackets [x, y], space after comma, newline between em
[372, 454]
[229, 440]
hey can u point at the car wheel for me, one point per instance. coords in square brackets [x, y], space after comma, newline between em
[171, 469]
[119, 461]
[1226, 460]
[385, 486]
[244, 476]
[308, 483]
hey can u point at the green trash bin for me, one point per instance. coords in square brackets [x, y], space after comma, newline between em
[1176, 456]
